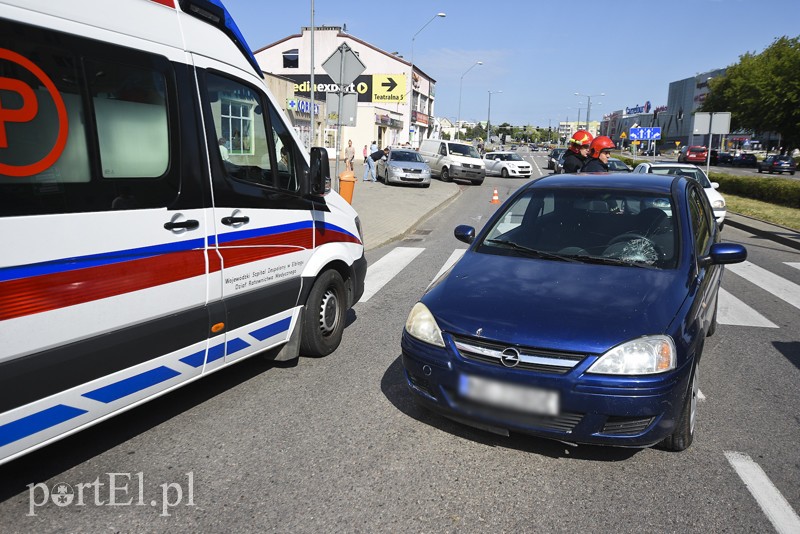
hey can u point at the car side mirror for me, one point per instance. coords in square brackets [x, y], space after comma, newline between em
[465, 233]
[715, 185]
[724, 254]
[319, 174]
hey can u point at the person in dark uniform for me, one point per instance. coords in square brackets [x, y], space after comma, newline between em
[599, 152]
[578, 151]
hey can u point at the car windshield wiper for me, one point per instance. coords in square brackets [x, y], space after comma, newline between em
[531, 251]
[605, 260]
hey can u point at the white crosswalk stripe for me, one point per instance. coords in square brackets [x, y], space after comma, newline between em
[735, 312]
[386, 268]
[793, 264]
[780, 287]
[454, 257]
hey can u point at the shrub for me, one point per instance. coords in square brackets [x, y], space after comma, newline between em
[782, 191]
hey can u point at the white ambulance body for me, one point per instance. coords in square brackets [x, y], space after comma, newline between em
[161, 219]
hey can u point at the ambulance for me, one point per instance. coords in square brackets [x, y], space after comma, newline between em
[161, 219]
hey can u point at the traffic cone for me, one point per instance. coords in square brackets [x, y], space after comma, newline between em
[495, 198]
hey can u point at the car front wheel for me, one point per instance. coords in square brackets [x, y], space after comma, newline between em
[683, 435]
[324, 319]
[445, 175]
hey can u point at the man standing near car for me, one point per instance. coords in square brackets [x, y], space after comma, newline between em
[371, 159]
[578, 151]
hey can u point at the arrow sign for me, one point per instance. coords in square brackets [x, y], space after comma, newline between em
[646, 134]
[390, 83]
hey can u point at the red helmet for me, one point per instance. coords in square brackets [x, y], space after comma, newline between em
[581, 138]
[599, 143]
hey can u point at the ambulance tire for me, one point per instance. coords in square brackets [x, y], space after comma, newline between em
[325, 314]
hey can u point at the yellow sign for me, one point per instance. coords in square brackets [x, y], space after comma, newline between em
[677, 143]
[623, 135]
[635, 143]
[388, 88]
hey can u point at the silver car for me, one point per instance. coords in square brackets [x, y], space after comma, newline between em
[403, 166]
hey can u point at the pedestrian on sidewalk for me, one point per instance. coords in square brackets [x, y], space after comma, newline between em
[349, 156]
[370, 168]
[365, 154]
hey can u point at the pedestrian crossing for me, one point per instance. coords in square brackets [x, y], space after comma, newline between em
[732, 310]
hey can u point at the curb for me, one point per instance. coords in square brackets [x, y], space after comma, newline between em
[757, 227]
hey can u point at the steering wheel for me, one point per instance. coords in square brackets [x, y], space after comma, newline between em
[630, 236]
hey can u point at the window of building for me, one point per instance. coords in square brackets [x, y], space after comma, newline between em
[291, 59]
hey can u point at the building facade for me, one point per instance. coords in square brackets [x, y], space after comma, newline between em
[395, 105]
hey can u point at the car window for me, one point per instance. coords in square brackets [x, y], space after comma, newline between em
[700, 220]
[464, 150]
[442, 150]
[515, 157]
[632, 227]
[405, 155]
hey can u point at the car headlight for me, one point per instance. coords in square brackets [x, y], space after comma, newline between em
[644, 356]
[455, 164]
[395, 170]
[422, 325]
[718, 204]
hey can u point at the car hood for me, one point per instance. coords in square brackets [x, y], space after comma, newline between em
[409, 165]
[552, 304]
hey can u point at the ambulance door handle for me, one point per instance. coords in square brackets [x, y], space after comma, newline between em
[230, 221]
[189, 224]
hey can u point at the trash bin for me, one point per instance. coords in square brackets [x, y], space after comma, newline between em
[347, 180]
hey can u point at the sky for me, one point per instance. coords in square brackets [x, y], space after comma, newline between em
[537, 52]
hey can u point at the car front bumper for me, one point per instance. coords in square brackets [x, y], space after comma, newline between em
[593, 409]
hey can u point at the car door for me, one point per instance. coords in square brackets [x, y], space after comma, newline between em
[262, 227]
[492, 163]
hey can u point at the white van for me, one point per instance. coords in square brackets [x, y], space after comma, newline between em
[451, 159]
[161, 219]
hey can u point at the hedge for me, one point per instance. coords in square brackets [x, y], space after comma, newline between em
[781, 191]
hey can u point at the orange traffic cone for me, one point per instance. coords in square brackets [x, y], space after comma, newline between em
[495, 198]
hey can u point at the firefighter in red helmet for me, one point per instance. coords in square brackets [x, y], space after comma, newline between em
[578, 151]
[599, 152]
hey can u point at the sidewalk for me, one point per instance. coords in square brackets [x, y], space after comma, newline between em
[779, 234]
[388, 212]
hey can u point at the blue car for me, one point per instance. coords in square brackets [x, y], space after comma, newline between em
[579, 313]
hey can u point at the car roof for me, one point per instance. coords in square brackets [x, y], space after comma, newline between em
[500, 152]
[669, 164]
[625, 181]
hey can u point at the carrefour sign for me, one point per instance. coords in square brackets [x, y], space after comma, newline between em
[637, 109]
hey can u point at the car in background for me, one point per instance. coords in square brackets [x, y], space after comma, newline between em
[744, 160]
[693, 154]
[617, 165]
[713, 157]
[403, 166]
[779, 164]
[506, 164]
[694, 172]
[552, 158]
[579, 313]
[723, 158]
[559, 164]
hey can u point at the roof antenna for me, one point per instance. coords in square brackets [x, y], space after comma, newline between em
[344, 28]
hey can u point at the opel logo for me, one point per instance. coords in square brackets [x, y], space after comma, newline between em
[510, 357]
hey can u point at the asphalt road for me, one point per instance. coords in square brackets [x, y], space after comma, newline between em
[337, 445]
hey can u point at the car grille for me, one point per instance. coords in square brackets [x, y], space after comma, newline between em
[412, 171]
[564, 422]
[626, 426]
[543, 361]
[471, 166]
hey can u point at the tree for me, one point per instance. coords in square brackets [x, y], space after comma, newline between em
[762, 91]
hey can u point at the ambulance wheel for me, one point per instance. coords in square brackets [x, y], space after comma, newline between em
[325, 315]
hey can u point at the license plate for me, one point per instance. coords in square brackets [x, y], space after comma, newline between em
[505, 395]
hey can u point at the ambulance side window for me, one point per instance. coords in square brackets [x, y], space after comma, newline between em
[95, 127]
[249, 142]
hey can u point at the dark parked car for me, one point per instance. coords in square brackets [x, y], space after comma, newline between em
[744, 160]
[617, 165]
[779, 164]
[579, 313]
[552, 158]
[723, 158]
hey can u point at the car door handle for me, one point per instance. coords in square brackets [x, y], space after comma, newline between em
[230, 221]
[189, 224]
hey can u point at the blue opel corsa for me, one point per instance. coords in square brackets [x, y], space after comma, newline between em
[579, 313]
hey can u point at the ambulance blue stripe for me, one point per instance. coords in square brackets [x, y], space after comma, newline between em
[215, 353]
[227, 237]
[95, 260]
[329, 226]
[272, 329]
[31, 424]
[235, 345]
[196, 359]
[131, 385]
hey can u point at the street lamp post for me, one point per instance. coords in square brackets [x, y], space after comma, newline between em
[489, 117]
[588, 105]
[411, 77]
[460, 85]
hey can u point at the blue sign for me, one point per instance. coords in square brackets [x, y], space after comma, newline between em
[646, 134]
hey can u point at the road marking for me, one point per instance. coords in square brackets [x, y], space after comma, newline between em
[792, 264]
[774, 505]
[780, 287]
[454, 257]
[387, 268]
[734, 311]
